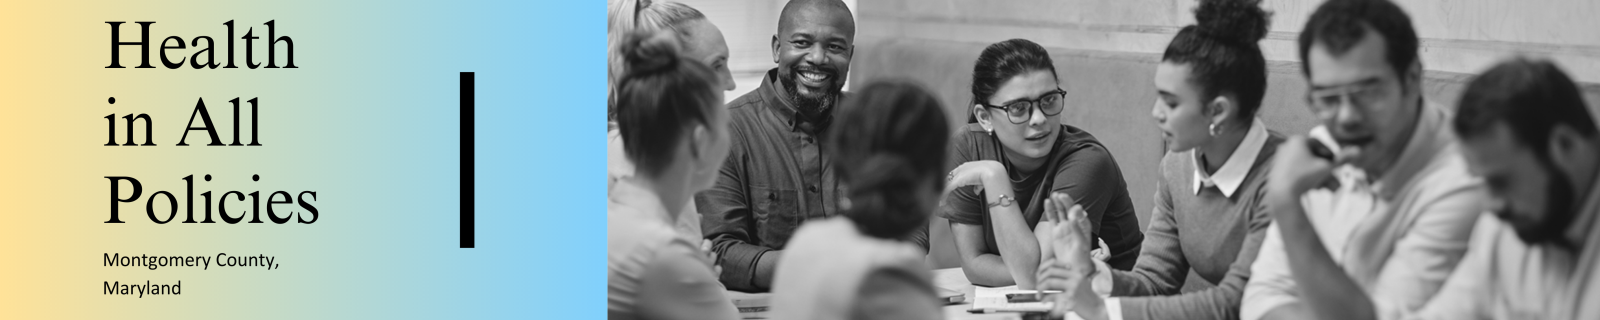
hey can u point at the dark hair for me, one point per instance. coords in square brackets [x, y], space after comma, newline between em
[1339, 24]
[1221, 51]
[893, 136]
[660, 97]
[1000, 62]
[1531, 96]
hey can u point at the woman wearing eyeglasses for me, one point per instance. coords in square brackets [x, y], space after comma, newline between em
[1014, 152]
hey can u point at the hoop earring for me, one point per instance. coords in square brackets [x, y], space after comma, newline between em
[1214, 131]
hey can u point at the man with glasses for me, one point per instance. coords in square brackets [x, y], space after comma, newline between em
[1371, 228]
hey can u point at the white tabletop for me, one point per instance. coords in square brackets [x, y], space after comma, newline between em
[954, 279]
[951, 278]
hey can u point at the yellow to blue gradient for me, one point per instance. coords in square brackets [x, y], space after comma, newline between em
[368, 121]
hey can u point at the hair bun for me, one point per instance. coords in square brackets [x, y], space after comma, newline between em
[1239, 22]
[646, 53]
[891, 168]
[883, 197]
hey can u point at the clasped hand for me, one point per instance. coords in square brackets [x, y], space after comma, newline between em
[1068, 236]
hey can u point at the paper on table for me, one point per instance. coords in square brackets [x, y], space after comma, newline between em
[751, 305]
[994, 299]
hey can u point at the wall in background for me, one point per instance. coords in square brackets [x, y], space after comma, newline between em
[1461, 36]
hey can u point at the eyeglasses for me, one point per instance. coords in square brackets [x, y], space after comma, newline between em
[1360, 95]
[1020, 111]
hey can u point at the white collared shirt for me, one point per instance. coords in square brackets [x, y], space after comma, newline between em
[1233, 171]
[1398, 235]
[1503, 277]
[1227, 179]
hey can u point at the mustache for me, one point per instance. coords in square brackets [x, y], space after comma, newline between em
[824, 69]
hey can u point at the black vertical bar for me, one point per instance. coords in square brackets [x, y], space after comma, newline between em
[468, 177]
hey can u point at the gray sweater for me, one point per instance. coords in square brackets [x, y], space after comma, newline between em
[1214, 235]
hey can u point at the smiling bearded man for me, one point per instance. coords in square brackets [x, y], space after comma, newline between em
[777, 176]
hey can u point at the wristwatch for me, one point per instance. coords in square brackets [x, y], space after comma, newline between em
[1003, 201]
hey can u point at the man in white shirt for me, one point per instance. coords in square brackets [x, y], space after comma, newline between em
[1368, 249]
[1526, 130]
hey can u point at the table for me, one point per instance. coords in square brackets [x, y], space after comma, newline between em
[954, 279]
[951, 278]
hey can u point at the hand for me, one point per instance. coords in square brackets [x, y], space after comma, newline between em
[973, 173]
[1082, 302]
[1102, 253]
[1068, 231]
[1296, 169]
[1077, 294]
[1053, 275]
[1050, 275]
[1045, 234]
[1072, 232]
[711, 257]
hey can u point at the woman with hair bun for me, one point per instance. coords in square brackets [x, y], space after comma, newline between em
[700, 39]
[1209, 215]
[669, 107]
[888, 151]
[697, 39]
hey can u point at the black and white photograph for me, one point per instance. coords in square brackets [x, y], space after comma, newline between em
[1103, 159]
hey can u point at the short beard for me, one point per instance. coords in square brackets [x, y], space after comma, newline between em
[810, 106]
[1558, 208]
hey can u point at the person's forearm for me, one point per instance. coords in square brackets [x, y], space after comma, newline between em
[1087, 304]
[1018, 247]
[742, 265]
[1143, 282]
[1219, 302]
[987, 270]
[766, 268]
[1046, 251]
[1161, 269]
[1329, 292]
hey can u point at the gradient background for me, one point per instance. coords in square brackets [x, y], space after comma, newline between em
[369, 121]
